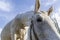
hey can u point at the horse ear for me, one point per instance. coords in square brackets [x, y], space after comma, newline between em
[37, 6]
[50, 10]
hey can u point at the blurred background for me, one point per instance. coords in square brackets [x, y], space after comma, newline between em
[10, 8]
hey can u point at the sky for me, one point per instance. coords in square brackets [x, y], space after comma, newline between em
[10, 8]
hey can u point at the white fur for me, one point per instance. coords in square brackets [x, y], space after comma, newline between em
[13, 29]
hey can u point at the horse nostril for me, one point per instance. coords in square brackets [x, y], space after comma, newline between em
[39, 19]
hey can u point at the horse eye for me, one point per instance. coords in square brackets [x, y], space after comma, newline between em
[39, 19]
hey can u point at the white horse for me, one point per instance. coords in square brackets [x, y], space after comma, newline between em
[41, 27]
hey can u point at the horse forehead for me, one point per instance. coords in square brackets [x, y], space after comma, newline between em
[42, 15]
